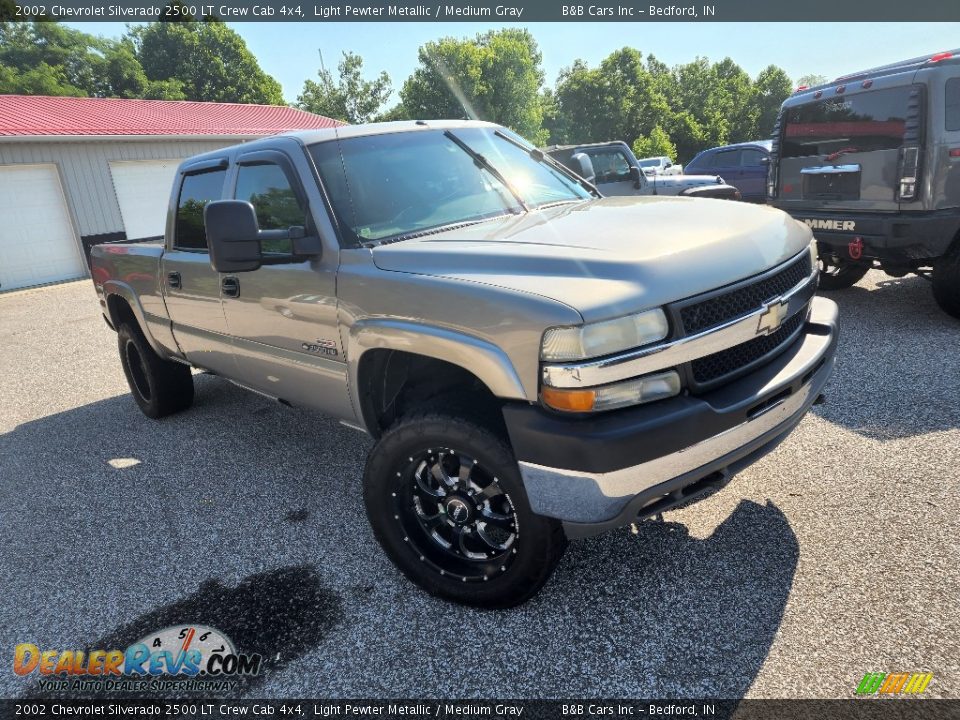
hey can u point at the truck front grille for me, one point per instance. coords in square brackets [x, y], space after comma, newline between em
[707, 312]
[738, 358]
[716, 310]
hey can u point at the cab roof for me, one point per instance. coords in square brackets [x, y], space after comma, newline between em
[309, 137]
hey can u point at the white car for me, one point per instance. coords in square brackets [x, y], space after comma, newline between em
[660, 166]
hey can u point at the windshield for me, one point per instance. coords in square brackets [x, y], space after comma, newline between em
[864, 122]
[387, 187]
[649, 163]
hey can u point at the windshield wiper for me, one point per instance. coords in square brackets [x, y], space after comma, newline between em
[433, 230]
[542, 157]
[480, 161]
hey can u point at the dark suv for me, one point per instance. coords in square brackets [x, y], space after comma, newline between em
[871, 162]
[743, 165]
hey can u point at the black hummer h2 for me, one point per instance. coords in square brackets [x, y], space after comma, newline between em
[871, 162]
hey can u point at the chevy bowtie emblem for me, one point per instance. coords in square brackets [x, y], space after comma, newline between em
[772, 318]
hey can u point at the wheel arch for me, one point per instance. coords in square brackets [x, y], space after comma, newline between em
[395, 366]
[124, 306]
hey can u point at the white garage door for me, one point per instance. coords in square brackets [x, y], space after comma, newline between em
[37, 242]
[143, 191]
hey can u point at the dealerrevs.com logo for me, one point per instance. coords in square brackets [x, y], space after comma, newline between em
[190, 657]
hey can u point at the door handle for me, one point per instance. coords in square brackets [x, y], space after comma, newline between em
[173, 280]
[230, 286]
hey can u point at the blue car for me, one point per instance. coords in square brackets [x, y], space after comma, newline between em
[743, 165]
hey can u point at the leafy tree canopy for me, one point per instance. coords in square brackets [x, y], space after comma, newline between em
[495, 76]
[350, 98]
[167, 61]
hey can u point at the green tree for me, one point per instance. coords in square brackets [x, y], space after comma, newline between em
[619, 100]
[496, 76]
[350, 98]
[811, 80]
[45, 58]
[29, 51]
[207, 60]
[655, 144]
[771, 88]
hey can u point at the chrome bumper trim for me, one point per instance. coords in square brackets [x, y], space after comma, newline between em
[659, 357]
[584, 497]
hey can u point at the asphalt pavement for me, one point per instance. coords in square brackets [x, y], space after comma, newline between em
[834, 556]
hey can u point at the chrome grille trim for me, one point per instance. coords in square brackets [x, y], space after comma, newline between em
[677, 352]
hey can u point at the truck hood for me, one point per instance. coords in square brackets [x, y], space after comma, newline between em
[610, 256]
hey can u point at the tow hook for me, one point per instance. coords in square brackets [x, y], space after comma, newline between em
[855, 248]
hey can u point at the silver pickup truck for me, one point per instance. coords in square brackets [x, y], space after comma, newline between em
[535, 362]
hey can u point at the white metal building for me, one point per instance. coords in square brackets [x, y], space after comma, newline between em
[79, 171]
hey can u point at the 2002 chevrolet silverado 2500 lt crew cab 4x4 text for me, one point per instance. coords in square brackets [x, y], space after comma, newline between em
[535, 361]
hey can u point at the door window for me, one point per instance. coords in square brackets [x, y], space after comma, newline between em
[609, 166]
[196, 191]
[751, 157]
[267, 187]
[726, 158]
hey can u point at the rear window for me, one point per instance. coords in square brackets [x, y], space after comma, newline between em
[862, 122]
[197, 190]
[952, 103]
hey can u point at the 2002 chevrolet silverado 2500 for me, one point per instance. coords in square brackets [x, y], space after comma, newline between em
[535, 362]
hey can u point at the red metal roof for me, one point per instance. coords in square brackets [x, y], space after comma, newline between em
[22, 115]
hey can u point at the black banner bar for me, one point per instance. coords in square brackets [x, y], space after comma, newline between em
[703, 708]
[827, 11]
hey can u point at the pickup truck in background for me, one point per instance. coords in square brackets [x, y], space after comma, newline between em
[661, 165]
[534, 361]
[612, 167]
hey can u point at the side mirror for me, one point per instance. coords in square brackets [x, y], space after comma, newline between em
[635, 176]
[302, 243]
[765, 160]
[233, 236]
[584, 166]
[668, 165]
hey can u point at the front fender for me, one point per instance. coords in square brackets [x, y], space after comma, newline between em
[483, 359]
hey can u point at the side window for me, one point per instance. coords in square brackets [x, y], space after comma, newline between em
[701, 161]
[267, 188]
[195, 192]
[726, 158]
[952, 103]
[750, 157]
[610, 166]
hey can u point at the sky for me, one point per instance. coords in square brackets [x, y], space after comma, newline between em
[289, 51]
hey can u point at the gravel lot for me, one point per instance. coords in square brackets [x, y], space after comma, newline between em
[834, 556]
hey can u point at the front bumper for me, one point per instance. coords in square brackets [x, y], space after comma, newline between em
[602, 472]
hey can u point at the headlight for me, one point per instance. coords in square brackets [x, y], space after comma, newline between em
[609, 397]
[603, 338]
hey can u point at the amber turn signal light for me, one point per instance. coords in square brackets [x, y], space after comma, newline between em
[569, 400]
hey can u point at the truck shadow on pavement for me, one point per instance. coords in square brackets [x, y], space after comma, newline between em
[247, 516]
[904, 380]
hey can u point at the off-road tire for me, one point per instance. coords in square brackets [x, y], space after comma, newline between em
[160, 387]
[395, 514]
[946, 281]
[838, 274]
